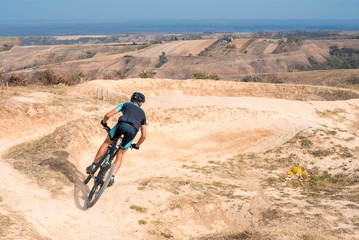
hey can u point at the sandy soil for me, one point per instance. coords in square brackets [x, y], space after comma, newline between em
[190, 125]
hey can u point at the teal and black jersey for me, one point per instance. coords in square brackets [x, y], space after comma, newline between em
[132, 114]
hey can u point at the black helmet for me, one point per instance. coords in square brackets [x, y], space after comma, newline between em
[137, 97]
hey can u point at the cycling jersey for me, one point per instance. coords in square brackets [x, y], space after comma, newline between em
[132, 114]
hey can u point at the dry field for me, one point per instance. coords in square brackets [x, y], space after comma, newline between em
[231, 61]
[239, 42]
[177, 48]
[270, 48]
[214, 165]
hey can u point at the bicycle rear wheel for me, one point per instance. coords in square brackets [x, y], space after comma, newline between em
[100, 183]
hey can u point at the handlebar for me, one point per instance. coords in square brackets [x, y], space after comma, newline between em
[105, 126]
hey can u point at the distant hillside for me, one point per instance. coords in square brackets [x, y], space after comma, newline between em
[236, 56]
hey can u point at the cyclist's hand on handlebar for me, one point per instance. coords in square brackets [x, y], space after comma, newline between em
[133, 145]
[105, 126]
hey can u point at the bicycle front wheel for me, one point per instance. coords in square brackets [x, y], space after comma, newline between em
[100, 183]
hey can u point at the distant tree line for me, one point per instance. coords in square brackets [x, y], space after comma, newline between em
[162, 60]
[343, 52]
[29, 41]
[340, 58]
[306, 34]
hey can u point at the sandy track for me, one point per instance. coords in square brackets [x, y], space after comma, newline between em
[168, 87]
[218, 123]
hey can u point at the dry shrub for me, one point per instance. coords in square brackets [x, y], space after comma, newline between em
[147, 74]
[17, 79]
[253, 78]
[120, 74]
[67, 77]
[2, 77]
[107, 76]
[267, 78]
[116, 74]
[204, 75]
[92, 74]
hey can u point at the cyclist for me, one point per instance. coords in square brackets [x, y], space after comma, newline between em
[132, 120]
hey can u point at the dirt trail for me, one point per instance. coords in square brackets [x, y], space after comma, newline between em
[185, 132]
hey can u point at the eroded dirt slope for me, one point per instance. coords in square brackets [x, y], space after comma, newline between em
[213, 164]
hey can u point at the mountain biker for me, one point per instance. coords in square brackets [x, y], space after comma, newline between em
[133, 119]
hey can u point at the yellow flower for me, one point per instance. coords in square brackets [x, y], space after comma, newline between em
[297, 170]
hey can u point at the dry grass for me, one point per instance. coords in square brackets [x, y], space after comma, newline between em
[139, 209]
[142, 222]
[46, 160]
[5, 224]
[14, 226]
[336, 114]
[232, 168]
[324, 193]
[201, 190]
[240, 235]
[299, 209]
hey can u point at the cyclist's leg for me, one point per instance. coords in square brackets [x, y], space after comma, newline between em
[129, 135]
[101, 151]
[118, 161]
[106, 143]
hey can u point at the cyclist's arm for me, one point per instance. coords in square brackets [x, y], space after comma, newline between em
[111, 113]
[143, 136]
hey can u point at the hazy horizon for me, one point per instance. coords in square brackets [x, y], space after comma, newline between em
[70, 27]
[117, 10]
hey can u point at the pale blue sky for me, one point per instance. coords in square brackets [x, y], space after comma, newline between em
[17, 10]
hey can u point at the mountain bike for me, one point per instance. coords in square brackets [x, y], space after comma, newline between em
[105, 166]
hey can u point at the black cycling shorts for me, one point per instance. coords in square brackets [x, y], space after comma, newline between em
[129, 133]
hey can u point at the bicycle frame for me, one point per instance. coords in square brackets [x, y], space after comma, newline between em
[113, 150]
